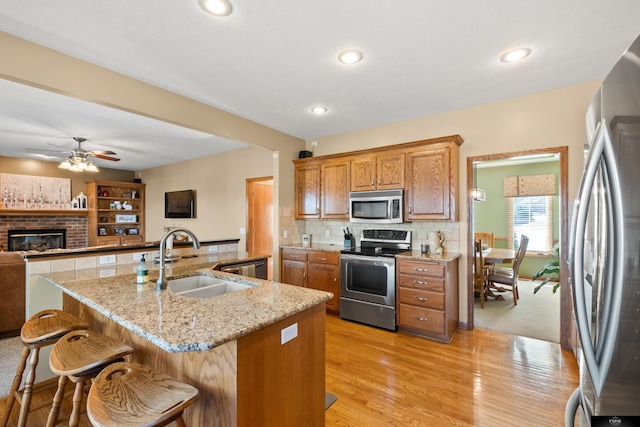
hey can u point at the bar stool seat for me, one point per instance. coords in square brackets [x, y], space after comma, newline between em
[128, 394]
[42, 329]
[79, 356]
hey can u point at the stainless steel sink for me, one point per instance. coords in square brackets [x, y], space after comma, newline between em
[204, 286]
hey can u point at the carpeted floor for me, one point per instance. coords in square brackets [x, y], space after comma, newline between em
[535, 316]
[10, 351]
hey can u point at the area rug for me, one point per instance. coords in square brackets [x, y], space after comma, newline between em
[328, 399]
[535, 316]
[10, 351]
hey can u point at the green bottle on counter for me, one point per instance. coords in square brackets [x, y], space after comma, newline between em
[143, 272]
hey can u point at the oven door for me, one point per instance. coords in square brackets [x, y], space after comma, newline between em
[368, 278]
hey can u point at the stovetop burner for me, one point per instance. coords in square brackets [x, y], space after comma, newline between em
[386, 243]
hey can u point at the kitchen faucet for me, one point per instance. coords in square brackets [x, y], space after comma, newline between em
[161, 284]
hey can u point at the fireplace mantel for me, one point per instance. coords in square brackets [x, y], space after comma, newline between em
[43, 212]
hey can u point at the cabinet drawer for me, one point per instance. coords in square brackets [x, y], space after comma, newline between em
[426, 283]
[324, 257]
[422, 268]
[424, 299]
[294, 254]
[423, 319]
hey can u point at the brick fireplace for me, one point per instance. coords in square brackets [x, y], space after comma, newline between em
[75, 226]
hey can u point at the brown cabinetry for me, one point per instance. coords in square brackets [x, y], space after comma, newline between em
[428, 297]
[382, 172]
[426, 170]
[307, 188]
[432, 183]
[109, 225]
[335, 190]
[313, 269]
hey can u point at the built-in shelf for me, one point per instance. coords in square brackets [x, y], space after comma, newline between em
[43, 212]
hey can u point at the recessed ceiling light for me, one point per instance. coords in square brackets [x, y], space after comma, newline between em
[516, 54]
[351, 56]
[216, 7]
[319, 109]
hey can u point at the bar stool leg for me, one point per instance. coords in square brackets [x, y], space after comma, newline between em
[74, 420]
[15, 385]
[57, 400]
[28, 388]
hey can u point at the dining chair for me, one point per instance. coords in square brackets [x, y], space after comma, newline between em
[487, 238]
[479, 272]
[509, 276]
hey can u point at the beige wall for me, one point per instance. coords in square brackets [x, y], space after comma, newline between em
[220, 185]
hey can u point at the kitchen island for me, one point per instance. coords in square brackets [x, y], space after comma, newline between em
[230, 346]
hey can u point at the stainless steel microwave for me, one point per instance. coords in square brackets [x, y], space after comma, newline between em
[376, 207]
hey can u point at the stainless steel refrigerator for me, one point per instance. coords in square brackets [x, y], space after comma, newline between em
[604, 258]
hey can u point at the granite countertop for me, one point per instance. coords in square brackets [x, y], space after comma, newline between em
[417, 255]
[96, 250]
[176, 323]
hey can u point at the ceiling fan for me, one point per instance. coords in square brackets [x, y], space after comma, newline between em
[79, 159]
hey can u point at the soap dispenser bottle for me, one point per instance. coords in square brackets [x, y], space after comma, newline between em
[143, 272]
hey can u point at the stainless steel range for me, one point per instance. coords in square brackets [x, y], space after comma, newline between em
[368, 278]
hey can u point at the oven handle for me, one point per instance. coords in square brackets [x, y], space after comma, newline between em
[385, 260]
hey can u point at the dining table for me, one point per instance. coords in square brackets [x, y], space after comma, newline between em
[494, 256]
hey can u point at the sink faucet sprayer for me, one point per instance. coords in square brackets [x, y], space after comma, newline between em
[161, 284]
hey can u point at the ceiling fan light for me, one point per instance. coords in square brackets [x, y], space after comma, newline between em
[65, 164]
[75, 168]
[91, 167]
[82, 165]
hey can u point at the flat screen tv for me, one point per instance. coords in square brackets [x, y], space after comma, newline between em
[179, 204]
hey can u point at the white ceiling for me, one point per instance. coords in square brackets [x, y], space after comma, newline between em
[272, 60]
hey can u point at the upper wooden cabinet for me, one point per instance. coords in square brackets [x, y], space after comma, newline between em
[426, 170]
[307, 188]
[382, 172]
[335, 189]
[432, 182]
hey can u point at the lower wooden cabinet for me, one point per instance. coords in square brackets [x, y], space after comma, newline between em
[313, 269]
[427, 295]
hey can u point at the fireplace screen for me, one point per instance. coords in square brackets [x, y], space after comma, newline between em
[37, 240]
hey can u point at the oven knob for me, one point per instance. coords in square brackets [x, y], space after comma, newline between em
[378, 250]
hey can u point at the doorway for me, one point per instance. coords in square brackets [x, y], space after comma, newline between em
[563, 223]
[260, 219]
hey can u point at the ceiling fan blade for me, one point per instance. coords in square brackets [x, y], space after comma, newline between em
[95, 153]
[100, 156]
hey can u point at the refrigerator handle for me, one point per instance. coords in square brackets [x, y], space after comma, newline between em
[598, 364]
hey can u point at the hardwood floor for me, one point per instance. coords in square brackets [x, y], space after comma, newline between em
[483, 378]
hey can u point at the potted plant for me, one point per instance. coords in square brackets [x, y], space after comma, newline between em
[551, 270]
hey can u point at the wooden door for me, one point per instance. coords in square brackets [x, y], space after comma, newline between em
[363, 170]
[390, 171]
[428, 188]
[260, 219]
[307, 187]
[335, 190]
[294, 273]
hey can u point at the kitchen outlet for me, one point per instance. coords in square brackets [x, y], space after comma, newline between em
[213, 248]
[138, 256]
[243, 231]
[107, 259]
[285, 234]
[288, 333]
[327, 233]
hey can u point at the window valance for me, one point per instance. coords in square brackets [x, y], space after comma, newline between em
[531, 185]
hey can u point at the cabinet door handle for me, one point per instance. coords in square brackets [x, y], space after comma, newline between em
[378, 181]
[420, 269]
[293, 256]
[372, 183]
[421, 298]
[409, 209]
[420, 282]
[322, 259]
[422, 319]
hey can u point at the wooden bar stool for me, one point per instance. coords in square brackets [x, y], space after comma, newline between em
[79, 356]
[42, 329]
[127, 394]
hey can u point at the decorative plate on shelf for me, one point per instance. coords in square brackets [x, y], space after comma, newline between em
[104, 219]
